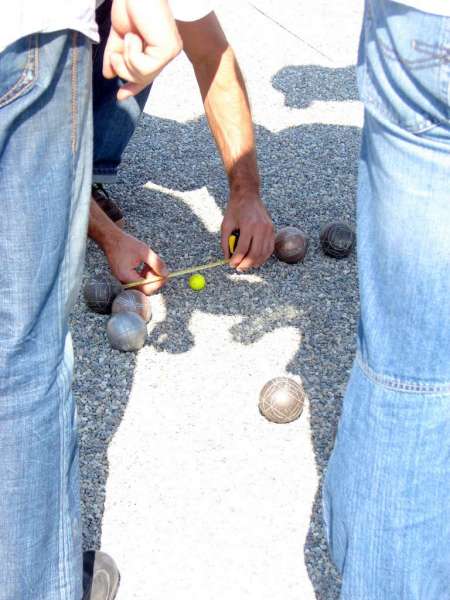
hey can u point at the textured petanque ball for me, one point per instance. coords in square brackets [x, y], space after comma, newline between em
[133, 301]
[291, 245]
[100, 291]
[337, 240]
[126, 331]
[197, 282]
[281, 400]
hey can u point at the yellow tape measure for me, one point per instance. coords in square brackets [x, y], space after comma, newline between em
[232, 241]
[232, 244]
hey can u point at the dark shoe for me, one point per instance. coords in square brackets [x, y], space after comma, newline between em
[108, 206]
[101, 576]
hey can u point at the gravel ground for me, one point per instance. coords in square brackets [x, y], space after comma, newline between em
[194, 494]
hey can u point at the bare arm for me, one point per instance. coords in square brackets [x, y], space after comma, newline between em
[228, 112]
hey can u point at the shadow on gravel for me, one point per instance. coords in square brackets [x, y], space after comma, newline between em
[309, 178]
[102, 384]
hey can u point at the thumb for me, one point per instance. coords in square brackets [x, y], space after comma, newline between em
[156, 264]
[114, 45]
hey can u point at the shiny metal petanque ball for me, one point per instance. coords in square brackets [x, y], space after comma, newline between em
[126, 331]
[281, 400]
[291, 245]
[100, 291]
[133, 301]
[337, 240]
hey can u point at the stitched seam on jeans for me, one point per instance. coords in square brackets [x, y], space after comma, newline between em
[401, 385]
[429, 59]
[74, 90]
[426, 122]
[36, 58]
[18, 86]
[432, 53]
[442, 55]
[66, 576]
[23, 83]
[419, 126]
[370, 98]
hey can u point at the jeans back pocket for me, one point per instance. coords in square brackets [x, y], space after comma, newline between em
[18, 69]
[403, 72]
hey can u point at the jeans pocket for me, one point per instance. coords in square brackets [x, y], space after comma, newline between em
[18, 69]
[403, 70]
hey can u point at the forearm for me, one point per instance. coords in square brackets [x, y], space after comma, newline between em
[228, 112]
[101, 229]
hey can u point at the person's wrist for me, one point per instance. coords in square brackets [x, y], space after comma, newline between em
[111, 238]
[244, 191]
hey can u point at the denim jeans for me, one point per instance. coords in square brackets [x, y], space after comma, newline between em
[114, 121]
[387, 488]
[45, 176]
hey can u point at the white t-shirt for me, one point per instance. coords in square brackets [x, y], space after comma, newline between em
[23, 17]
[191, 10]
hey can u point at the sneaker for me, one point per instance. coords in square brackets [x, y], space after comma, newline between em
[101, 576]
[108, 206]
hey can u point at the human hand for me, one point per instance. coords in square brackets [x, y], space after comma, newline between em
[142, 41]
[125, 253]
[256, 240]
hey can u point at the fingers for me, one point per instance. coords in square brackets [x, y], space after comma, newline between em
[151, 288]
[154, 22]
[131, 63]
[127, 254]
[129, 275]
[253, 258]
[256, 241]
[146, 273]
[266, 243]
[269, 243]
[156, 267]
[257, 247]
[120, 67]
[143, 40]
[114, 45]
[242, 249]
[156, 264]
[136, 65]
[128, 90]
[143, 63]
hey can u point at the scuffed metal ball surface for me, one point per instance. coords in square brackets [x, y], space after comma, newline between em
[291, 245]
[99, 293]
[126, 331]
[133, 301]
[337, 240]
[281, 400]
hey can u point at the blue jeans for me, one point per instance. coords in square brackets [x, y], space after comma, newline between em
[45, 176]
[114, 121]
[387, 488]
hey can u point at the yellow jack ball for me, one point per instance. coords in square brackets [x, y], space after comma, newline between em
[197, 282]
